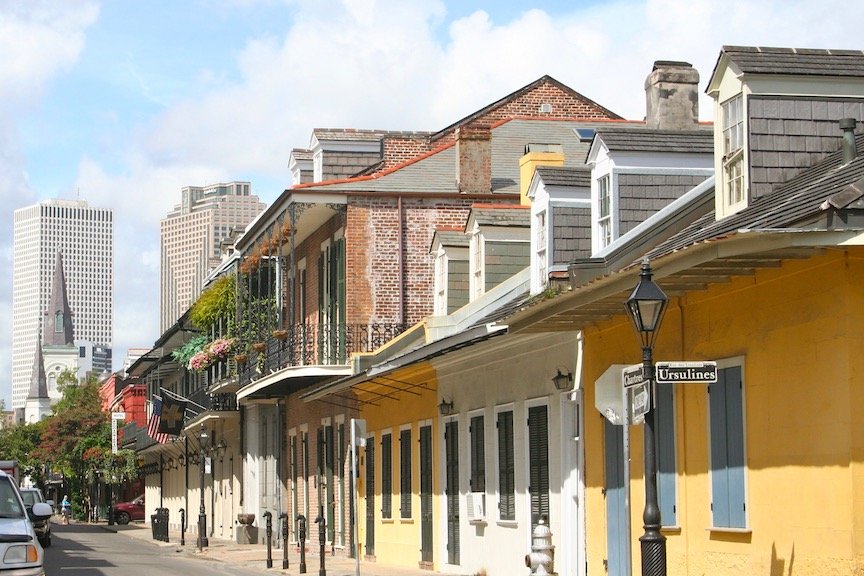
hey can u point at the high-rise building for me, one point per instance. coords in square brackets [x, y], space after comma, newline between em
[191, 236]
[85, 237]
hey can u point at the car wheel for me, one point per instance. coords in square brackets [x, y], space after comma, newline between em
[122, 517]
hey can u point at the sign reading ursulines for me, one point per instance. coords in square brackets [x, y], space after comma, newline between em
[673, 372]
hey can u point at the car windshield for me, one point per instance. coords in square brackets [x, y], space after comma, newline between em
[10, 505]
[30, 497]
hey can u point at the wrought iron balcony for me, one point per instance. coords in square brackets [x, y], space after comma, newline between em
[314, 344]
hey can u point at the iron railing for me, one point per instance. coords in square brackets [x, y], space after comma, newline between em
[313, 344]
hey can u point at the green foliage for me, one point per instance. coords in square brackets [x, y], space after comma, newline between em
[192, 347]
[18, 443]
[215, 305]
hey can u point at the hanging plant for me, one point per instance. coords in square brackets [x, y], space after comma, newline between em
[184, 353]
[217, 302]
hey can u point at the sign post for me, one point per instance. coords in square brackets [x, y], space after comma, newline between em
[115, 417]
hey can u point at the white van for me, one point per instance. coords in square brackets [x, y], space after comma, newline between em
[20, 551]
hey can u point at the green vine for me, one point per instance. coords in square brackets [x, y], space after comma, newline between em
[182, 354]
[216, 303]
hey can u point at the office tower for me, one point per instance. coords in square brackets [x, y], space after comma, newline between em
[191, 235]
[84, 235]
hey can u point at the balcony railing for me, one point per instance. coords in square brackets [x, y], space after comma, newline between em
[313, 344]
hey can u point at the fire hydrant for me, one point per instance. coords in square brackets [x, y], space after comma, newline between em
[541, 560]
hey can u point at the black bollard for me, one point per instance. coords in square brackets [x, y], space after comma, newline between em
[284, 517]
[301, 519]
[269, 532]
[182, 527]
[322, 536]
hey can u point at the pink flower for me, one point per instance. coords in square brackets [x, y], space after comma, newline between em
[201, 361]
[221, 347]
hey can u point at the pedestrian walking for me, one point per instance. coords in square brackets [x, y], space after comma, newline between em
[66, 509]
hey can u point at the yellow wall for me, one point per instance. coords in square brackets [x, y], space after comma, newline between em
[397, 540]
[800, 331]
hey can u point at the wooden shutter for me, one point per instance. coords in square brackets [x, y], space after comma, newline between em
[727, 449]
[478, 454]
[405, 473]
[665, 432]
[386, 476]
[538, 462]
[506, 467]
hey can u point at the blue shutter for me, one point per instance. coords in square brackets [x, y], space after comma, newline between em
[665, 427]
[617, 519]
[727, 449]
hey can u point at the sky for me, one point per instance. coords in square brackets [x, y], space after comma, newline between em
[123, 102]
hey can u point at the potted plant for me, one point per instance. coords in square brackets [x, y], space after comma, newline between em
[280, 334]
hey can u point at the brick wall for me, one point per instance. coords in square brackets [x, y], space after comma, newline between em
[373, 241]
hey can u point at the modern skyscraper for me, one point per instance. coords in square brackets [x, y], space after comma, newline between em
[85, 237]
[191, 237]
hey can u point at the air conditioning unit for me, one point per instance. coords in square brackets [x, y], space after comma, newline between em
[476, 506]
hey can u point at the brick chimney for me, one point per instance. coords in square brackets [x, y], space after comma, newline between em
[474, 159]
[672, 95]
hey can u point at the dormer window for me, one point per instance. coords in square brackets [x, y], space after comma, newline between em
[540, 237]
[733, 152]
[477, 287]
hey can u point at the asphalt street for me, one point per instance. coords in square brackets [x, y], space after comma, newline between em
[87, 549]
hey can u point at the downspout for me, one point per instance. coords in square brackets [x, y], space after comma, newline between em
[186, 475]
[399, 263]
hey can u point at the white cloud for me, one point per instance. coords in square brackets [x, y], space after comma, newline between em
[350, 63]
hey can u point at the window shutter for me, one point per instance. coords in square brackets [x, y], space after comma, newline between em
[666, 478]
[538, 462]
[478, 455]
[386, 476]
[405, 473]
[506, 467]
[727, 449]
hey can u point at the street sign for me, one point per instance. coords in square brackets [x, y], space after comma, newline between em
[632, 375]
[115, 417]
[675, 372]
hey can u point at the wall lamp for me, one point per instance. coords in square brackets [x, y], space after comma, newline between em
[182, 460]
[445, 407]
[220, 449]
[563, 381]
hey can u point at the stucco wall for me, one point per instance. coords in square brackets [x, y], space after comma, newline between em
[798, 329]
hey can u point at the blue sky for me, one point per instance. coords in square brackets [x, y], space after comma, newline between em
[123, 102]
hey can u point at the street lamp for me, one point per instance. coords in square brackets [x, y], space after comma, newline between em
[646, 306]
[202, 513]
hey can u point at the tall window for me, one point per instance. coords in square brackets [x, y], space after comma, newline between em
[386, 476]
[733, 150]
[476, 265]
[542, 268]
[726, 414]
[506, 467]
[478, 454]
[405, 473]
[604, 210]
[441, 283]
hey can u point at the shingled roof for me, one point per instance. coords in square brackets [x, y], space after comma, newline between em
[796, 61]
[565, 175]
[647, 140]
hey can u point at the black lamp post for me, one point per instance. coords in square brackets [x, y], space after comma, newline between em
[646, 306]
[202, 512]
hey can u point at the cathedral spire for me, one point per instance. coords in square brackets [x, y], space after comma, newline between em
[38, 381]
[58, 316]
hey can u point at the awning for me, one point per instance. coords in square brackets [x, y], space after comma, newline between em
[290, 380]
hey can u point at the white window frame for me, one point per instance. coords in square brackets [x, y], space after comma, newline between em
[734, 194]
[477, 255]
[441, 265]
[541, 222]
[605, 222]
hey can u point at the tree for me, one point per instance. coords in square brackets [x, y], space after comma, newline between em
[76, 427]
[19, 443]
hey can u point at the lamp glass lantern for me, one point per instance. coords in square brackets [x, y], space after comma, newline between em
[445, 407]
[563, 381]
[646, 306]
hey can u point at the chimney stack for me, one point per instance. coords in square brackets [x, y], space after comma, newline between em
[672, 95]
[474, 159]
[850, 151]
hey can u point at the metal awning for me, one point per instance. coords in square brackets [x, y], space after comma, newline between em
[290, 380]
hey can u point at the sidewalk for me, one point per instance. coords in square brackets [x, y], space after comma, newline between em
[255, 555]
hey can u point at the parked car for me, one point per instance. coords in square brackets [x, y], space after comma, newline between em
[20, 551]
[42, 527]
[124, 512]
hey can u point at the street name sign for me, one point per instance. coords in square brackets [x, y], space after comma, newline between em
[693, 372]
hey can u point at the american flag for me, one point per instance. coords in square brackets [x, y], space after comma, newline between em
[153, 425]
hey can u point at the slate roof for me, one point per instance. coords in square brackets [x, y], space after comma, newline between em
[436, 171]
[797, 61]
[451, 237]
[792, 205]
[565, 176]
[646, 140]
[515, 215]
[361, 135]
[301, 154]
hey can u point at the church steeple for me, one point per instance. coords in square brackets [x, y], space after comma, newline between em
[38, 381]
[58, 317]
